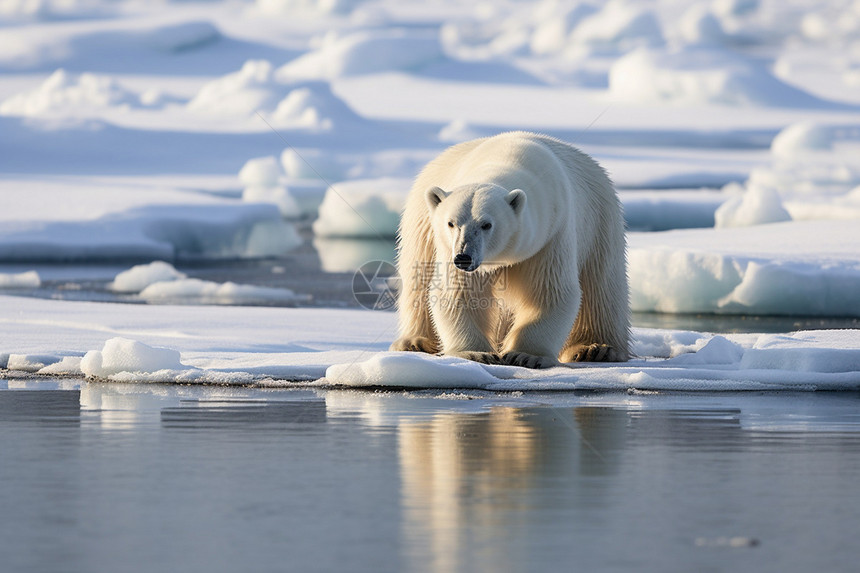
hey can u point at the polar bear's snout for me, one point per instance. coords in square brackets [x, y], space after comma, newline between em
[468, 249]
[463, 262]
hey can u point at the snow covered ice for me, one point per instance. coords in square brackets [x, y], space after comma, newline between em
[148, 137]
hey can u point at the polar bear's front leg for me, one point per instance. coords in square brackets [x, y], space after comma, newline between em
[535, 341]
[463, 315]
[543, 317]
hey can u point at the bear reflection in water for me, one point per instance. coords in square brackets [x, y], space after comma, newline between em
[470, 477]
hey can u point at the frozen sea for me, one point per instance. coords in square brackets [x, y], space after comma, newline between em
[188, 383]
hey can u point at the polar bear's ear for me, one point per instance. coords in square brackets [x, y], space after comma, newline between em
[434, 196]
[517, 200]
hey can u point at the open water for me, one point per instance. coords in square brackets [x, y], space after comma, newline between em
[126, 478]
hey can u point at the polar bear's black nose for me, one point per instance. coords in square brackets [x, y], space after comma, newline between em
[463, 262]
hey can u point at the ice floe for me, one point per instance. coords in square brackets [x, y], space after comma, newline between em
[273, 347]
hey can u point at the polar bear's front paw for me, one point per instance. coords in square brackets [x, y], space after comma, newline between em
[415, 344]
[482, 357]
[591, 353]
[527, 360]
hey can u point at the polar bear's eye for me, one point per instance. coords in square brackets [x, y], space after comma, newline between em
[486, 226]
[451, 224]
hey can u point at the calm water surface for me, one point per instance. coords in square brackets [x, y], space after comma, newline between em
[121, 477]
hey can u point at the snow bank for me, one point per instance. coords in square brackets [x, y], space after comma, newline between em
[64, 93]
[362, 208]
[242, 93]
[701, 75]
[196, 291]
[364, 52]
[177, 38]
[139, 277]
[554, 23]
[288, 102]
[799, 140]
[313, 106]
[699, 25]
[618, 27]
[29, 279]
[798, 268]
[291, 7]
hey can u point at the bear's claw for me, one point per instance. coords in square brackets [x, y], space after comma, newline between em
[482, 357]
[415, 344]
[591, 353]
[527, 360]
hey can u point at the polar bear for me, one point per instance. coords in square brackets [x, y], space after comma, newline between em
[511, 250]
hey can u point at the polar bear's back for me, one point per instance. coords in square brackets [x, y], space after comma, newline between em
[554, 174]
[489, 158]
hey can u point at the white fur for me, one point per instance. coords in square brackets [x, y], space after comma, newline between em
[542, 222]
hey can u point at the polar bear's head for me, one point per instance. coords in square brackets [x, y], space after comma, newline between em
[474, 224]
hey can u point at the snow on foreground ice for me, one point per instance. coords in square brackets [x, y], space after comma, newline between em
[276, 347]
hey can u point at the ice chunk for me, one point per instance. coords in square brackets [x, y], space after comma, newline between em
[717, 350]
[679, 280]
[30, 362]
[410, 370]
[261, 172]
[207, 292]
[277, 195]
[126, 355]
[28, 279]
[779, 288]
[758, 206]
[807, 268]
[362, 208]
[139, 277]
[68, 366]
